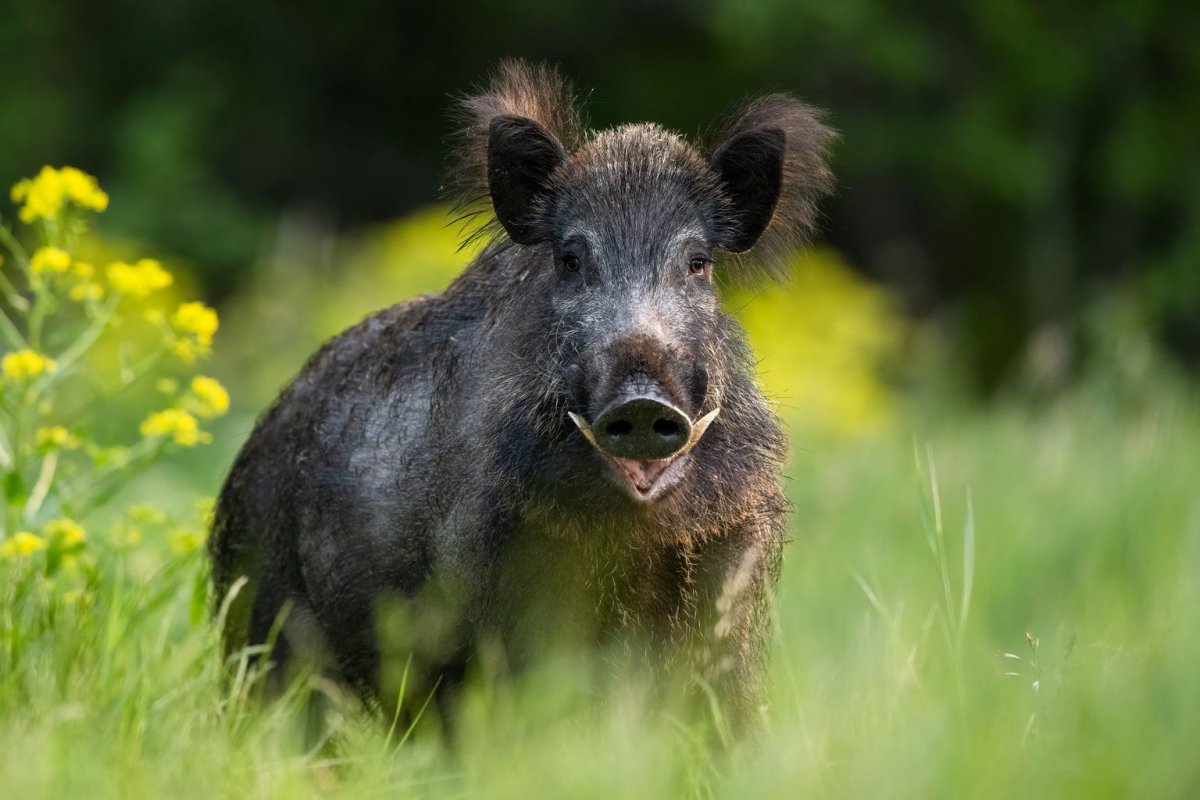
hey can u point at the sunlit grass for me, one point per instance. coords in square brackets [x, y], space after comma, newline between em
[1024, 622]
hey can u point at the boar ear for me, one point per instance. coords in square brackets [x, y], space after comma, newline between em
[521, 157]
[507, 134]
[750, 166]
[771, 165]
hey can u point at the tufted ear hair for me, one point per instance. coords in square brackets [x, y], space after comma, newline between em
[771, 164]
[510, 136]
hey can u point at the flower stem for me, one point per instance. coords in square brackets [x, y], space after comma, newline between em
[10, 332]
[14, 247]
[42, 487]
[11, 295]
[95, 491]
[78, 348]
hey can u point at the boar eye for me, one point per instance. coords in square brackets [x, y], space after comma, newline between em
[571, 263]
[697, 265]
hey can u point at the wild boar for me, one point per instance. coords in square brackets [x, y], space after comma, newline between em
[566, 447]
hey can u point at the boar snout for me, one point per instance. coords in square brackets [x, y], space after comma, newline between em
[642, 425]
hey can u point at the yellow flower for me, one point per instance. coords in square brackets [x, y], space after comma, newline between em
[186, 350]
[26, 364]
[86, 291]
[66, 532]
[178, 424]
[83, 189]
[147, 513]
[42, 197]
[184, 540]
[86, 288]
[196, 323]
[197, 319]
[122, 535]
[205, 507]
[139, 279]
[56, 438]
[24, 543]
[50, 259]
[212, 399]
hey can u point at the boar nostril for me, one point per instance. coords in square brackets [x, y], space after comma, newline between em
[618, 428]
[666, 427]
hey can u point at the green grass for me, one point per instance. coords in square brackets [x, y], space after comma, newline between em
[1076, 527]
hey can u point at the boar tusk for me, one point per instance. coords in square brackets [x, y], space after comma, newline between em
[584, 428]
[698, 429]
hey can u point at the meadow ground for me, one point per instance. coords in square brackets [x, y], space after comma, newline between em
[986, 603]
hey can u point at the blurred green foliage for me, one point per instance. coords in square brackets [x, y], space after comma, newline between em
[315, 286]
[1004, 163]
[825, 341]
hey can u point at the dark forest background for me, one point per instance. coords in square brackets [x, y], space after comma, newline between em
[1005, 165]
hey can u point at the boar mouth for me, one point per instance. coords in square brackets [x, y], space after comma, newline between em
[646, 479]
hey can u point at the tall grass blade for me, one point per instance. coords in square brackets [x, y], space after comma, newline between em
[968, 581]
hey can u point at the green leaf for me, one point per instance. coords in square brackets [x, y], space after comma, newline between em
[14, 489]
[198, 606]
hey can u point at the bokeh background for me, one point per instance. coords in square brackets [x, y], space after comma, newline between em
[1008, 278]
[1008, 168]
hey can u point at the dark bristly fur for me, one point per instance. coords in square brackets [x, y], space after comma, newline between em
[419, 492]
